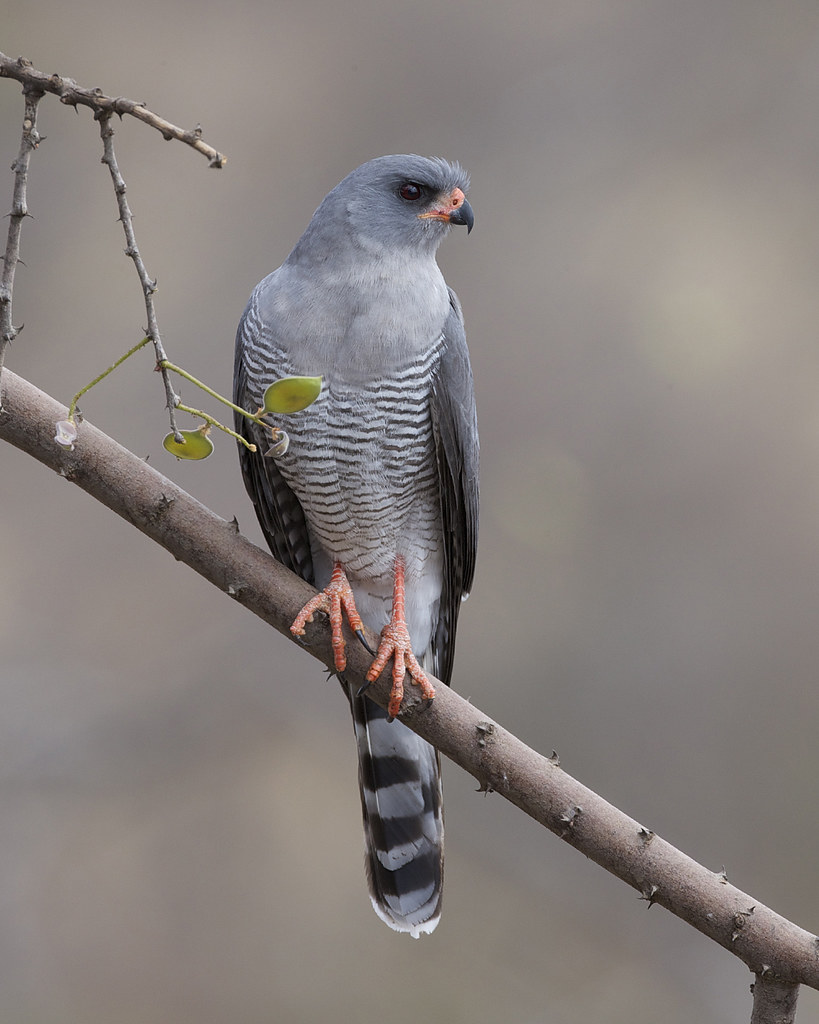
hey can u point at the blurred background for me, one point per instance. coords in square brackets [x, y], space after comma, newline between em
[180, 834]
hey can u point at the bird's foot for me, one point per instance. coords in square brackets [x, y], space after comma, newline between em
[395, 643]
[336, 599]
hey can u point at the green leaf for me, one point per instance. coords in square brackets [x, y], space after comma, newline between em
[291, 394]
[197, 444]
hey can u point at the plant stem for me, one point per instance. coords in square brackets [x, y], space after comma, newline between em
[215, 423]
[166, 364]
[104, 373]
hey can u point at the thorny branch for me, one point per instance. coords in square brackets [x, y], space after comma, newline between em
[75, 95]
[35, 85]
[780, 953]
[19, 211]
[148, 286]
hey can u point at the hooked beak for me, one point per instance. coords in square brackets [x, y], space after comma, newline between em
[463, 215]
[454, 210]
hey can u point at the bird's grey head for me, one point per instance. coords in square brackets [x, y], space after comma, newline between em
[393, 202]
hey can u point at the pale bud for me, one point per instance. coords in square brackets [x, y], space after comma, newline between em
[281, 442]
[66, 434]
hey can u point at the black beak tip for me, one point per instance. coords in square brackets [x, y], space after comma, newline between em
[463, 215]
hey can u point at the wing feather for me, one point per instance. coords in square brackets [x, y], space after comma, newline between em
[278, 510]
[455, 430]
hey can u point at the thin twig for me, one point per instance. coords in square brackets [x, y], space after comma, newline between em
[103, 375]
[215, 423]
[168, 365]
[148, 285]
[29, 141]
[75, 95]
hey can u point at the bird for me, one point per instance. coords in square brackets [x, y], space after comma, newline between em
[375, 499]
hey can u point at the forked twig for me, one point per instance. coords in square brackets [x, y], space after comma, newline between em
[774, 1000]
[75, 95]
[35, 85]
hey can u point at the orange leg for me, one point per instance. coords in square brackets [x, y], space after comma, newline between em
[337, 595]
[395, 644]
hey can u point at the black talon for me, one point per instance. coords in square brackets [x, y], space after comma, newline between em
[364, 686]
[359, 633]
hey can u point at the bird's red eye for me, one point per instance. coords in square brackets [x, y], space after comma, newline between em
[410, 191]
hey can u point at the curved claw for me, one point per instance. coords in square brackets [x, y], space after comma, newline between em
[360, 634]
[364, 687]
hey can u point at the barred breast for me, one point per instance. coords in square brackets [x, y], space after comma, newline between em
[361, 463]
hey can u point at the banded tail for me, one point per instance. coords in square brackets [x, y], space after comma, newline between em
[402, 803]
